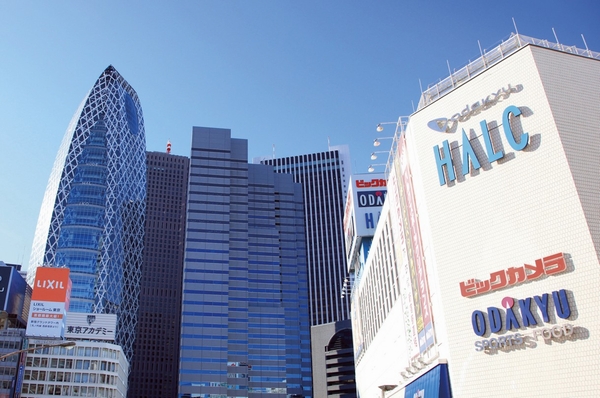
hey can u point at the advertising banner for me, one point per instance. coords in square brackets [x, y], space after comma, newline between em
[21, 370]
[91, 326]
[368, 198]
[5, 273]
[349, 228]
[417, 271]
[410, 303]
[49, 303]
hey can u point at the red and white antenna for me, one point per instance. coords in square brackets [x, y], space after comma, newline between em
[168, 146]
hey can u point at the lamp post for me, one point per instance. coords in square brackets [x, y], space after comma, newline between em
[386, 387]
[377, 141]
[372, 167]
[32, 349]
[374, 155]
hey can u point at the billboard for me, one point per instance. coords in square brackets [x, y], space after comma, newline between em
[368, 198]
[49, 303]
[12, 291]
[363, 208]
[415, 299]
[5, 273]
[91, 326]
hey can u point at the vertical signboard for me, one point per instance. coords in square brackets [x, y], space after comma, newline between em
[21, 370]
[369, 196]
[5, 273]
[409, 306]
[49, 303]
[349, 229]
[416, 267]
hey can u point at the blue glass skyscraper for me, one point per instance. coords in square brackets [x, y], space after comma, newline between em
[92, 215]
[324, 177]
[245, 322]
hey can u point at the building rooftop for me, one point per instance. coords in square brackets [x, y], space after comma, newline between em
[490, 58]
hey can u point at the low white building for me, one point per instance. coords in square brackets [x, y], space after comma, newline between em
[482, 276]
[89, 369]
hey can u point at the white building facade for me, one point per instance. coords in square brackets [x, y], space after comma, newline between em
[90, 369]
[482, 276]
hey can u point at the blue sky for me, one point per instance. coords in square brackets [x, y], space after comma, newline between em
[283, 73]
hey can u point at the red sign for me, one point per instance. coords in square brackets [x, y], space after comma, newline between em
[550, 265]
[49, 302]
[374, 183]
[52, 284]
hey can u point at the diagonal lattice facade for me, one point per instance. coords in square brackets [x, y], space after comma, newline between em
[92, 215]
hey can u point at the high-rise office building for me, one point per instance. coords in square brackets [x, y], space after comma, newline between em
[154, 367]
[245, 325]
[324, 177]
[92, 215]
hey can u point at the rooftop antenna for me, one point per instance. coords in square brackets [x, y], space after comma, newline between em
[517, 32]
[450, 72]
[413, 105]
[168, 146]
[481, 52]
[556, 37]
[328, 144]
[586, 46]
[273, 151]
[420, 85]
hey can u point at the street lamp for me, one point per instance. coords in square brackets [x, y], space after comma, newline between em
[372, 167]
[374, 154]
[402, 120]
[376, 141]
[31, 349]
[386, 387]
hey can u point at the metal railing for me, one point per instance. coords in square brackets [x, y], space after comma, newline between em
[490, 58]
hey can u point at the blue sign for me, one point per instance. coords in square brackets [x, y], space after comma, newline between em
[443, 155]
[496, 322]
[370, 198]
[433, 384]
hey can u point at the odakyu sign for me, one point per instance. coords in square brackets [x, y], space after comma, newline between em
[447, 159]
[448, 125]
[518, 315]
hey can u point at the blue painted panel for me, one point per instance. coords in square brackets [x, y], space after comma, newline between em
[433, 384]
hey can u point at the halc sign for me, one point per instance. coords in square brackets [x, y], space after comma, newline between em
[443, 156]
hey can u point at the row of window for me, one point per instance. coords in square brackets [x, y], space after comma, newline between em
[71, 391]
[94, 378]
[380, 289]
[78, 352]
[62, 363]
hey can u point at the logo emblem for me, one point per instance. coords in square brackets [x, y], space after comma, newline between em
[448, 125]
[91, 319]
[440, 125]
